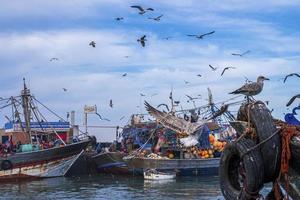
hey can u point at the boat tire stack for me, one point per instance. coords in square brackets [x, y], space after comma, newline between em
[263, 123]
[234, 162]
[259, 165]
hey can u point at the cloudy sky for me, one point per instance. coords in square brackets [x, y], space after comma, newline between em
[34, 31]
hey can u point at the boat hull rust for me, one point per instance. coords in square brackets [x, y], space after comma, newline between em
[181, 166]
[44, 156]
[55, 168]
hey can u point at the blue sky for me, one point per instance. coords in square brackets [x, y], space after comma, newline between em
[34, 31]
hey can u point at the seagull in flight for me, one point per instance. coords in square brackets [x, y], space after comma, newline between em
[202, 36]
[191, 98]
[93, 44]
[213, 68]
[53, 59]
[226, 68]
[292, 74]
[65, 89]
[119, 18]
[199, 75]
[141, 9]
[125, 74]
[241, 54]
[122, 118]
[177, 102]
[167, 38]
[142, 40]
[101, 118]
[156, 18]
[111, 103]
[162, 104]
[292, 99]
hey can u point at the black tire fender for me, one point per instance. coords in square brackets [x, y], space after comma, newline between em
[6, 165]
[263, 122]
[230, 167]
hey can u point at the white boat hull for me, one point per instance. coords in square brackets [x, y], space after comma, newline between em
[49, 169]
[153, 176]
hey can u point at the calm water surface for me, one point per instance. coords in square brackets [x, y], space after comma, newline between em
[114, 187]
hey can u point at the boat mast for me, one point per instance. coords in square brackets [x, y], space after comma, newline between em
[25, 94]
[16, 113]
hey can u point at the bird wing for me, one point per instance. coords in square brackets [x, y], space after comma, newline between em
[159, 17]
[143, 43]
[248, 87]
[192, 35]
[224, 71]
[143, 38]
[162, 104]
[285, 78]
[292, 99]
[207, 34]
[138, 7]
[236, 54]
[245, 52]
[212, 67]
[189, 97]
[296, 75]
[151, 9]
[172, 122]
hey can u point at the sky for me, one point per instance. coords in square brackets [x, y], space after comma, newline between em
[34, 31]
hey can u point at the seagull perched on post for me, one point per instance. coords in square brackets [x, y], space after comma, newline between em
[142, 10]
[251, 89]
[142, 40]
[292, 74]
[201, 36]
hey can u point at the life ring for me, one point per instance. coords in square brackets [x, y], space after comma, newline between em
[241, 175]
[263, 123]
[6, 164]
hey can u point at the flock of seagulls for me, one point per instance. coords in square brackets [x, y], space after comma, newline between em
[249, 89]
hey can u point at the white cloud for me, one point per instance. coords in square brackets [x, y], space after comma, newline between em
[93, 75]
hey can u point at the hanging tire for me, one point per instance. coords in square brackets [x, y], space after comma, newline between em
[241, 176]
[263, 122]
[6, 165]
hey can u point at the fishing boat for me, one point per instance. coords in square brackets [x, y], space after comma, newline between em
[110, 162]
[31, 150]
[178, 141]
[153, 174]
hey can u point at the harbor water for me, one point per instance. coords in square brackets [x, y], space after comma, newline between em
[114, 187]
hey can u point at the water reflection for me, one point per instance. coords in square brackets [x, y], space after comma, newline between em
[114, 187]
